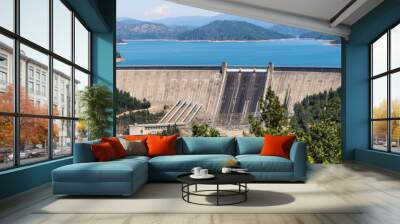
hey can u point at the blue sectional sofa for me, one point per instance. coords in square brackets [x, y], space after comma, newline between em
[125, 176]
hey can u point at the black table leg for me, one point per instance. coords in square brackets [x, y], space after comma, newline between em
[196, 187]
[245, 194]
[188, 190]
[182, 190]
[217, 194]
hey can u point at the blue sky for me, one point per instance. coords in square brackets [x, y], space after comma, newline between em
[156, 9]
[35, 27]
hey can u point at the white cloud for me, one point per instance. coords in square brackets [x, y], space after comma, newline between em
[159, 11]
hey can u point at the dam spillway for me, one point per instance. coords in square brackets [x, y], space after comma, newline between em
[226, 95]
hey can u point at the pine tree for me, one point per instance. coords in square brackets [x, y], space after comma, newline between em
[316, 121]
[323, 142]
[274, 118]
[204, 130]
[325, 106]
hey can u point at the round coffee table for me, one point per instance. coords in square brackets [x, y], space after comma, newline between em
[238, 179]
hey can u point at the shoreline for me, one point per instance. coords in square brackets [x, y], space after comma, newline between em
[326, 42]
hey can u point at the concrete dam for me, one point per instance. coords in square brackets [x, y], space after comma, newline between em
[225, 96]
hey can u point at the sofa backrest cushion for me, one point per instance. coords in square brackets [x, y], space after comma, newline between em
[83, 152]
[207, 145]
[249, 145]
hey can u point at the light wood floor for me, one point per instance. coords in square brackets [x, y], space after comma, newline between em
[377, 188]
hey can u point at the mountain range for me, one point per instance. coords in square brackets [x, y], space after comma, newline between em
[216, 28]
[221, 30]
[197, 21]
[134, 29]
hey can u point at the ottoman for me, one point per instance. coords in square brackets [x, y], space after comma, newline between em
[119, 177]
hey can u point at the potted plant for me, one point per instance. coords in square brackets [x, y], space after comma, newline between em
[96, 102]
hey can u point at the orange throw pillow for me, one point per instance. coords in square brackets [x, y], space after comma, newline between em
[161, 145]
[277, 145]
[116, 145]
[103, 152]
[135, 137]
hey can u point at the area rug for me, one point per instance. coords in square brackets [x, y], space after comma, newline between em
[166, 198]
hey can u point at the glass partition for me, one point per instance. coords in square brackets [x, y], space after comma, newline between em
[385, 92]
[39, 90]
[34, 21]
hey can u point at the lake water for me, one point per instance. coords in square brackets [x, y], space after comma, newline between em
[308, 53]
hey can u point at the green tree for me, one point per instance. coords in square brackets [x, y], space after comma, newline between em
[125, 102]
[256, 126]
[316, 121]
[171, 130]
[273, 119]
[323, 142]
[141, 117]
[204, 130]
[314, 108]
[97, 104]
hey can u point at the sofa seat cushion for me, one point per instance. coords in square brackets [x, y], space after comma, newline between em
[257, 163]
[113, 171]
[185, 163]
[130, 158]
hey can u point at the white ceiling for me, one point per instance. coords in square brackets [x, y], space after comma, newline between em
[317, 15]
